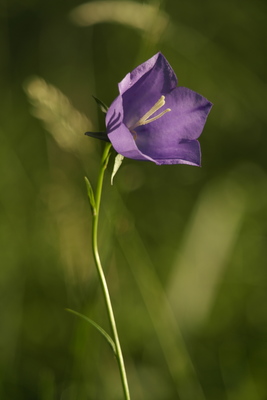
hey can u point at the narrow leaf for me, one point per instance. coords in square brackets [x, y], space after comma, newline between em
[101, 105]
[90, 194]
[98, 135]
[98, 327]
[117, 163]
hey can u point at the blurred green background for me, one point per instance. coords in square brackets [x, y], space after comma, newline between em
[184, 248]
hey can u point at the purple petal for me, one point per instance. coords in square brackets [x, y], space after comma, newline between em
[158, 61]
[167, 137]
[124, 143]
[115, 114]
[189, 111]
[121, 138]
[144, 86]
[187, 152]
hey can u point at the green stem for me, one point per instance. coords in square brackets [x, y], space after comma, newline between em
[104, 163]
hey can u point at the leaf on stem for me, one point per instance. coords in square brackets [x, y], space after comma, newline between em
[90, 194]
[98, 135]
[98, 327]
[118, 161]
[101, 105]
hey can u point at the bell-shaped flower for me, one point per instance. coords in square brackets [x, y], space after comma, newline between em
[152, 119]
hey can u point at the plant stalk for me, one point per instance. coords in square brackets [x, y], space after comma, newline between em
[98, 193]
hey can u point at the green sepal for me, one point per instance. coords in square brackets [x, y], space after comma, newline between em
[101, 105]
[98, 327]
[98, 135]
[91, 195]
[117, 163]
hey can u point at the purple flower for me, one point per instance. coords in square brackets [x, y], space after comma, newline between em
[153, 119]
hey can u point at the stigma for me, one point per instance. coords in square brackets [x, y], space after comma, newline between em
[146, 118]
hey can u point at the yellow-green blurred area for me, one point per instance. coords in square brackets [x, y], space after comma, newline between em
[184, 248]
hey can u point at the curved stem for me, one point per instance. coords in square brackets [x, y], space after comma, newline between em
[104, 163]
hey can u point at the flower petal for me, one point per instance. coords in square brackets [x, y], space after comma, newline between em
[167, 137]
[114, 116]
[124, 143]
[187, 152]
[189, 111]
[142, 88]
[186, 120]
[121, 138]
[158, 61]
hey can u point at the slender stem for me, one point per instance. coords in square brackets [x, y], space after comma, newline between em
[100, 271]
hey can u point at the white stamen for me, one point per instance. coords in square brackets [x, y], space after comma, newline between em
[146, 120]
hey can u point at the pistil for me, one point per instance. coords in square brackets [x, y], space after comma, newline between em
[146, 120]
